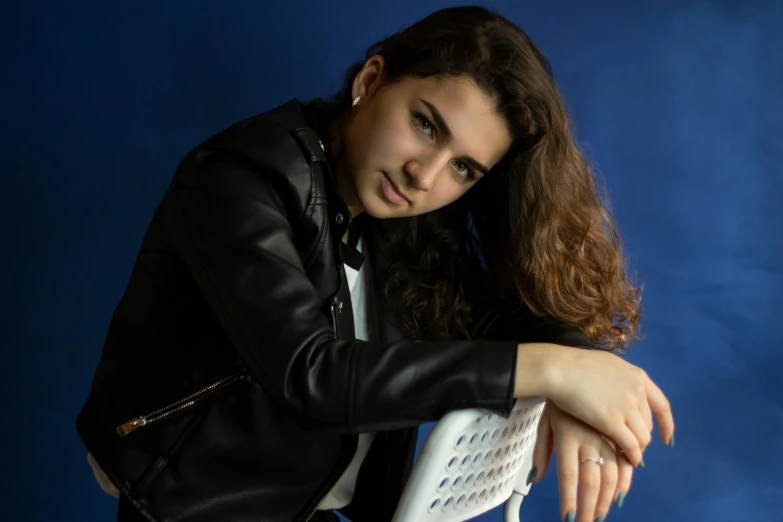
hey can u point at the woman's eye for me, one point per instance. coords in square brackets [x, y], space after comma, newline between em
[463, 170]
[424, 124]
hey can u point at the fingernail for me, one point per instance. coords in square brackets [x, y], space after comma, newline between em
[532, 475]
[570, 517]
[599, 519]
[620, 499]
[671, 441]
[641, 464]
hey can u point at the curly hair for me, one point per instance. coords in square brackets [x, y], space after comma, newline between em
[536, 231]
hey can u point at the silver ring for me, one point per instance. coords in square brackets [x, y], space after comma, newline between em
[599, 461]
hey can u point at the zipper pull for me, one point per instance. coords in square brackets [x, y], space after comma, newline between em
[337, 305]
[131, 425]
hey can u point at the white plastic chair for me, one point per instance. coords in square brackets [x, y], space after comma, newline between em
[471, 462]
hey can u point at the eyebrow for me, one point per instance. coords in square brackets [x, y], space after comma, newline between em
[444, 128]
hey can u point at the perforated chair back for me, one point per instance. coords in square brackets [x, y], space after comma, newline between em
[472, 461]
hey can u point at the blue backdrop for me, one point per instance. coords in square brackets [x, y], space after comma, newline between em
[679, 104]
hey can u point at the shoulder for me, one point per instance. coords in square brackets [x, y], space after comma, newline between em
[277, 147]
[275, 138]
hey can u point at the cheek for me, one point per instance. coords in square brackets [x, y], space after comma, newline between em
[356, 142]
[444, 191]
[389, 139]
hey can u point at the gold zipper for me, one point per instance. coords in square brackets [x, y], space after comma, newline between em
[335, 302]
[355, 451]
[139, 422]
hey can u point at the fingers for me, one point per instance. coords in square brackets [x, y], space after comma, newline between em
[542, 451]
[609, 474]
[639, 429]
[596, 482]
[624, 474]
[627, 441]
[568, 479]
[660, 407]
[644, 409]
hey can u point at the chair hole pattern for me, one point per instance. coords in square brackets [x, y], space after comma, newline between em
[485, 459]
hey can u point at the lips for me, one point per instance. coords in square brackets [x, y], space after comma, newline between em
[396, 189]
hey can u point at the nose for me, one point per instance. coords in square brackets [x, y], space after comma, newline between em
[423, 170]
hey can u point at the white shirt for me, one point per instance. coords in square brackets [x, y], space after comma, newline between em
[342, 492]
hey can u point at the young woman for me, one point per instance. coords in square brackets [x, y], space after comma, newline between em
[322, 278]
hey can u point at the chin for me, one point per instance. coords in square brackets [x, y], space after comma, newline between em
[381, 210]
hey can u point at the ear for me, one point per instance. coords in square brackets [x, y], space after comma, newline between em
[369, 78]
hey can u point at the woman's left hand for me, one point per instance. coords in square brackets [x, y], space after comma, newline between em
[597, 484]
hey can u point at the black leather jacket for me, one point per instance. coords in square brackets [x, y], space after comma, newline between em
[230, 385]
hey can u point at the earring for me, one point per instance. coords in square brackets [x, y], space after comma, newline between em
[356, 101]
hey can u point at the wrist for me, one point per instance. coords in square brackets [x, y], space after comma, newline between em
[537, 369]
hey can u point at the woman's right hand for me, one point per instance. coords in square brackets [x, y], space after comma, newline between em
[599, 388]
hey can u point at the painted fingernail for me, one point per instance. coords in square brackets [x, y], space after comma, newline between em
[620, 499]
[570, 517]
[641, 464]
[599, 519]
[531, 476]
[671, 441]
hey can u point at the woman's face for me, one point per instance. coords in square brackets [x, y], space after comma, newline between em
[417, 145]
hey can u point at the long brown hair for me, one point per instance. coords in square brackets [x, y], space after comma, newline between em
[535, 231]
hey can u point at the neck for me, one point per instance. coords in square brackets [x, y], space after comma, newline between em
[345, 188]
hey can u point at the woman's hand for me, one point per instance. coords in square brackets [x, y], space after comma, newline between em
[586, 488]
[599, 388]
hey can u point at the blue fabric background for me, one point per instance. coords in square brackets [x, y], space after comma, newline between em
[679, 105]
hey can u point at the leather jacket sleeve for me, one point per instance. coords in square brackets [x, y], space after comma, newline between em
[230, 222]
[519, 323]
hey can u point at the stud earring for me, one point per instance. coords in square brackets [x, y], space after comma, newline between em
[356, 101]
